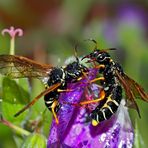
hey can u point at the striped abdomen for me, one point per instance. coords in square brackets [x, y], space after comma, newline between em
[50, 98]
[109, 107]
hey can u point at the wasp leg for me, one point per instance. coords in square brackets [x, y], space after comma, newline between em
[66, 90]
[80, 78]
[94, 80]
[101, 66]
[54, 104]
[84, 76]
[102, 96]
[97, 79]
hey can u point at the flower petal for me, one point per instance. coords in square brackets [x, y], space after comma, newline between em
[74, 130]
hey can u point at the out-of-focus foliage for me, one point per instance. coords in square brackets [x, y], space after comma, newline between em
[35, 140]
[51, 30]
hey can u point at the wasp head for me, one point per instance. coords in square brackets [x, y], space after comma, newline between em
[75, 70]
[100, 56]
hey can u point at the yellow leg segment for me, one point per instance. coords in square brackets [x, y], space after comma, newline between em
[97, 79]
[79, 79]
[100, 66]
[84, 75]
[66, 90]
[54, 114]
[102, 94]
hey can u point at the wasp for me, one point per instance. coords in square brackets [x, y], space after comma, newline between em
[113, 79]
[54, 78]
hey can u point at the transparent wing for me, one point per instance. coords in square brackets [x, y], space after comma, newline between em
[138, 91]
[133, 91]
[19, 67]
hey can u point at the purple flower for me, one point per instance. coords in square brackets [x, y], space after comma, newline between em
[75, 129]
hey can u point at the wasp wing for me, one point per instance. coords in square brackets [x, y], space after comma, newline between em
[138, 91]
[19, 67]
[132, 90]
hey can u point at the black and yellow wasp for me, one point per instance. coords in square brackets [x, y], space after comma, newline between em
[55, 78]
[112, 80]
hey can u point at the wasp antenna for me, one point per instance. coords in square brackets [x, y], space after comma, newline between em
[112, 48]
[76, 52]
[102, 50]
[94, 41]
[37, 98]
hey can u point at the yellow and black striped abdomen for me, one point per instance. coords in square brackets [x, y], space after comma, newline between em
[109, 107]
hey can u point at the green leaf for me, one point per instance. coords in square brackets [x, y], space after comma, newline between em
[35, 141]
[14, 97]
[13, 93]
[24, 83]
[8, 111]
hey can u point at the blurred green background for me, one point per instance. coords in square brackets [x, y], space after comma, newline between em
[53, 27]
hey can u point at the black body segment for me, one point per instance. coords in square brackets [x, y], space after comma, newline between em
[114, 78]
[62, 75]
[54, 78]
[113, 90]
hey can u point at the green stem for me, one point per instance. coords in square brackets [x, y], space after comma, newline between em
[17, 129]
[12, 46]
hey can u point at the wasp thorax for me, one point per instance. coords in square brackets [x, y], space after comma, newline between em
[56, 76]
[74, 70]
